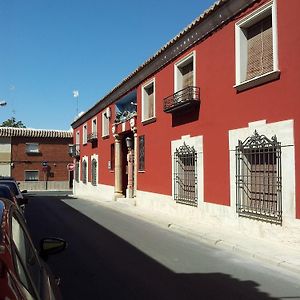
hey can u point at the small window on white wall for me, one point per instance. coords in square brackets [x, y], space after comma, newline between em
[148, 101]
[256, 47]
[184, 76]
[84, 136]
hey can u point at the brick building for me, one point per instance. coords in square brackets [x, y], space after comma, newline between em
[208, 127]
[36, 158]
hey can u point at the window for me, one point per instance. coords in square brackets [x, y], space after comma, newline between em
[31, 175]
[94, 126]
[148, 101]
[77, 171]
[142, 153]
[185, 72]
[258, 178]
[94, 172]
[105, 124]
[27, 263]
[84, 135]
[84, 171]
[32, 148]
[185, 175]
[256, 48]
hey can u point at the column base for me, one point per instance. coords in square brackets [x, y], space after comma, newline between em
[118, 195]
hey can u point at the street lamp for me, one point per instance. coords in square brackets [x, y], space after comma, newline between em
[3, 103]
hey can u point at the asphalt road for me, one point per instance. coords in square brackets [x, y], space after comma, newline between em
[119, 257]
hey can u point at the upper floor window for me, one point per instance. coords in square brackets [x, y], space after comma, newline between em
[185, 72]
[32, 148]
[94, 126]
[105, 122]
[256, 48]
[84, 135]
[77, 141]
[148, 101]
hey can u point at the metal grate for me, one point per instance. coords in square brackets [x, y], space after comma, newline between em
[84, 172]
[185, 175]
[94, 172]
[142, 153]
[258, 178]
[77, 171]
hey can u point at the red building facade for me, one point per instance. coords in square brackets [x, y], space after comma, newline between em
[213, 121]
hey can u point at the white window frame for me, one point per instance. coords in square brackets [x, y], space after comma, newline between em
[180, 63]
[105, 127]
[86, 160]
[144, 95]
[241, 47]
[77, 141]
[84, 134]
[38, 175]
[94, 125]
[30, 151]
[94, 157]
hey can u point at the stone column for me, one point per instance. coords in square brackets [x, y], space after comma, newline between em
[118, 167]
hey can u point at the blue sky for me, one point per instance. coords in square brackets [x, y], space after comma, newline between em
[51, 47]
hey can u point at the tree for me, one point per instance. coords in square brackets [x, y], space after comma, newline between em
[13, 123]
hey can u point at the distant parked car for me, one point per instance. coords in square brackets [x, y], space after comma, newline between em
[23, 273]
[14, 187]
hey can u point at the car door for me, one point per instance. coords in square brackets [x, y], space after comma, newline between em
[29, 269]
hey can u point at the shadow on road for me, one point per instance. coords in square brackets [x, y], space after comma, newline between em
[100, 265]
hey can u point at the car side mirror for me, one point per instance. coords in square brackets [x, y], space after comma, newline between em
[49, 246]
[24, 192]
[22, 201]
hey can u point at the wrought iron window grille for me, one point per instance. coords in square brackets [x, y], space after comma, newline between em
[94, 172]
[84, 172]
[258, 178]
[185, 175]
[186, 97]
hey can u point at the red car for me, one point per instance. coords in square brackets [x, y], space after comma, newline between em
[23, 273]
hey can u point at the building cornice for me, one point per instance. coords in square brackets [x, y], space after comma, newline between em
[212, 19]
[36, 133]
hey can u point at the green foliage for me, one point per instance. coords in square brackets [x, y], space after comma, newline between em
[13, 123]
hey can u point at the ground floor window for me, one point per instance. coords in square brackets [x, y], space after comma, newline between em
[77, 171]
[185, 175]
[31, 175]
[94, 171]
[84, 172]
[258, 178]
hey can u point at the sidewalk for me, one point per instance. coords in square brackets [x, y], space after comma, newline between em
[273, 253]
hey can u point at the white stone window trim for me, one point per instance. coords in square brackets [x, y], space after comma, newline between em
[269, 8]
[284, 131]
[86, 159]
[145, 86]
[181, 62]
[95, 156]
[105, 118]
[94, 125]
[84, 134]
[197, 143]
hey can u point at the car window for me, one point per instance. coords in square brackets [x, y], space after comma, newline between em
[12, 185]
[27, 262]
[5, 193]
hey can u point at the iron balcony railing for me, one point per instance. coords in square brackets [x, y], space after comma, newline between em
[185, 98]
[74, 150]
[92, 137]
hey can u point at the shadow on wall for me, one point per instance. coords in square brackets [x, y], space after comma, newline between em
[186, 116]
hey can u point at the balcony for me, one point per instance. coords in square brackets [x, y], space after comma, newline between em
[74, 151]
[92, 137]
[184, 99]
